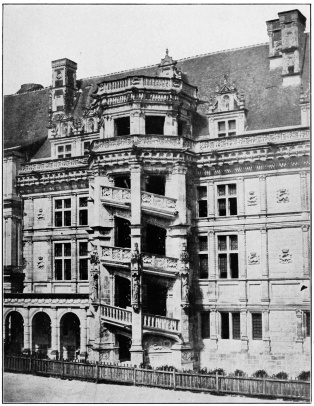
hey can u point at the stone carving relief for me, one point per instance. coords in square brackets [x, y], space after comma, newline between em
[40, 215]
[282, 196]
[252, 199]
[94, 288]
[186, 356]
[253, 258]
[156, 347]
[104, 356]
[136, 265]
[289, 38]
[285, 257]
[40, 263]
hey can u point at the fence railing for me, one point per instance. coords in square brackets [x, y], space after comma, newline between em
[261, 387]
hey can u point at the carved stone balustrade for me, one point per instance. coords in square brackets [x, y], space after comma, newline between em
[161, 323]
[52, 165]
[158, 261]
[114, 254]
[116, 314]
[154, 202]
[115, 196]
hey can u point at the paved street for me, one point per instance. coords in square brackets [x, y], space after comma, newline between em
[20, 388]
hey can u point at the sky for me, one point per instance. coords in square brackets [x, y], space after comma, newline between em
[108, 38]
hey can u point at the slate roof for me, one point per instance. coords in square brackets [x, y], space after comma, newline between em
[269, 104]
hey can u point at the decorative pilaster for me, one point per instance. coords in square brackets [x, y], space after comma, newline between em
[242, 265]
[304, 189]
[29, 257]
[244, 336]
[109, 127]
[213, 328]
[265, 265]
[262, 182]
[306, 250]
[179, 180]
[54, 333]
[210, 199]
[27, 344]
[241, 209]
[49, 260]
[83, 349]
[74, 210]
[74, 264]
[211, 255]
[29, 213]
[266, 338]
[50, 221]
[184, 272]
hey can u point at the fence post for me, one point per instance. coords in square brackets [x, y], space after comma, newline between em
[174, 379]
[264, 386]
[62, 368]
[96, 372]
[134, 375]
[30, 364]
[217, 382]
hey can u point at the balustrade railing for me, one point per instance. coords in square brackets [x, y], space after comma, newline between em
[159, 261]
[54, 164]
[152, 200]
[116, 314]
[116, 194]
[161, 323]
[116, 254]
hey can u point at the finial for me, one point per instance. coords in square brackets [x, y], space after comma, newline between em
[167, 51]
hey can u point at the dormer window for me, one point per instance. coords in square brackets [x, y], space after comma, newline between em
[122, 126]
[64, 151]
[226, 128]
[154, 125]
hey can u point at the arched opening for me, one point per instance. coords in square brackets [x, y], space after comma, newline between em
[124, 347]
[122, 233]
[41, 333]
[122, 292]
[69, 336]
[14, 333]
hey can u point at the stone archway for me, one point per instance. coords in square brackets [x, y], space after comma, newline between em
[70, 337]
[14, 333]
[41, 334]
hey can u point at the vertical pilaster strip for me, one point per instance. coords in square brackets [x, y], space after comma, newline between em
[27, 345]
[300, 334]
[50, 214]
[262, 181]
[241, 209]
[179, 174]
[303, 182]
[210, 199]
[265, 323]
[74, 210]
[243, 329]
[265, 265]
[54, 331]
[306, 248]
[83, 349]
[50, 267]
[213, 324]
[213, 272]
[74, 264]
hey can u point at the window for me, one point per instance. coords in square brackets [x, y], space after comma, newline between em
[307, 324]
[63, 261]
[230, 326]
[257, 327]
[86, 147]
[154, 125]
[64, 151]
[83, 261]
[203, 257]
[205, 325]
[202, 201]
[156, 184]
[122, 126]
[226, 128]
[63, 213]
[83, 211]
[227, 200]
[228, 256]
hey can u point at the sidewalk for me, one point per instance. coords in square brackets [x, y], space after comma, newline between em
[21, 388]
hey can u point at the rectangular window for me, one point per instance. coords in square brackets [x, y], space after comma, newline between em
[202, 201]
[307, 324]
[63, 213]
[86, 146]
[230, 326]
[228, 256]
[203, 256]
[227, 128]
[83, 261]
[62, 261]
[154, 125]
[64, 151]
[227, 200]
[205, 325]
[122, 126]
[257, 327]
[83, 211]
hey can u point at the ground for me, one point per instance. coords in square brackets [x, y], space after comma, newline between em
[21, 388]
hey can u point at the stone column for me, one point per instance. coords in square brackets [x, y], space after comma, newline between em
[74, 210]
[136, 282]
[137, 122]
[242, 265]
[29, 213]
[54, 333]
[262, 182]
[266, 338]
[243, 323]
[50, 220]
[170, 126]
[112, 289]
[241, 209]
[179, 180]
[27, 344]
[213, 328]
[50, 255]
[306, 248]
[265, 265]
[212, 255]
[29, 257]
[83, 332]
[210, 199]
[74, 264]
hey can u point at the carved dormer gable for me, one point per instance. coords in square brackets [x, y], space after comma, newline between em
[167, 67]
[226, 98]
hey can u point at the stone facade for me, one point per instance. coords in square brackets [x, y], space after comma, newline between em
[156, 232]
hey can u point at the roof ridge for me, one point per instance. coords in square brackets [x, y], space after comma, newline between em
[31, 91]
[179, 60]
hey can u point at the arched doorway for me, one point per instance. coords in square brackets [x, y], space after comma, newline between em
[122, 292]
[69, 336]
[41, 333]
[124, 347]
[14, 333]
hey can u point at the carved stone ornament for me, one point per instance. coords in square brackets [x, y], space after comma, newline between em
[94, 288]
[40, 263]
[252, 199]
[105, 355]
[186, 356]
[285, 257]
[185, 288]
[40, 215]
[282, 196]
[156, 347]
[184, 255]
[94, 257]
[136, 277]
[253, 258]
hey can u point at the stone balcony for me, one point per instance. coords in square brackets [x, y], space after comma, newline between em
[152, 263]
[115, 196]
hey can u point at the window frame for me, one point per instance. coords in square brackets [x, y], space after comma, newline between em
[227, 132]
[227, 252]
[81, 209]
[205, 328]
[203, 253]
[307, 323]
[62, 210]
[231, 325]
[257, 336]
[82, 258]
[62, 258]
[63, 153]
[202, 199]
[226, 197]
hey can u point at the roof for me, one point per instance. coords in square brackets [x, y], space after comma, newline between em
[268, 103]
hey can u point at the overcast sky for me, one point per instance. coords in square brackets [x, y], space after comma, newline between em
[110, 38]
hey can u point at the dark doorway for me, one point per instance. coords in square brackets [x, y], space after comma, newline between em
[41, 333]
[155, 240]
[122, 292]
[124, 347]
[69, 336]
[156, 184]
[122, 233]
[154, 125]
[122, 126]
[14, 333]
[156, 299]
[122, 181]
